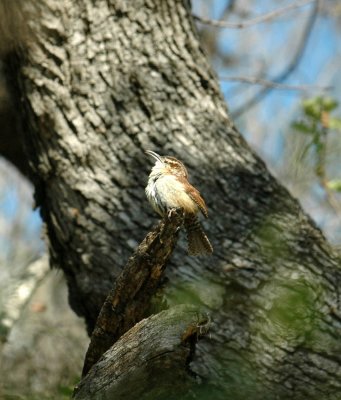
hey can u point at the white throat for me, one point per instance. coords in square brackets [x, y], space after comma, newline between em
[157, 170]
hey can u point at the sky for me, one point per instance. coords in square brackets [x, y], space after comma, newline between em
[265, 49]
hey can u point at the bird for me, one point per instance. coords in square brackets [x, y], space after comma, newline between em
[168, 188]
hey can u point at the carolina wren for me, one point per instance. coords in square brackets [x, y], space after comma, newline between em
[168, 188]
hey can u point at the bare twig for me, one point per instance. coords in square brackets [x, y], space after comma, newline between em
[288, 69]
[262, 18]
[271, 84]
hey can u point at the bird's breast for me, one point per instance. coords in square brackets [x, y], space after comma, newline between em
[168, 192]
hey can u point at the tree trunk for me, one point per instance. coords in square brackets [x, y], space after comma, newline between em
[100, 83]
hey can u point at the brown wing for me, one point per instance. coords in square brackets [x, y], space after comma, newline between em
[194, 194]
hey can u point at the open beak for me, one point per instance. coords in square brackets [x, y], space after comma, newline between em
[154, 155]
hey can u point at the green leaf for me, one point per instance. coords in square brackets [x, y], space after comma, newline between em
[315, 106]
[335, 123]
[302, 127]
[334, 184]
[312, 110]
[329, 104]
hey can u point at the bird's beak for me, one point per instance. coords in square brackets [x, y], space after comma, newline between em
[154, 155]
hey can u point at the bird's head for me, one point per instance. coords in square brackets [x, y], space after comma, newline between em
[167, 165]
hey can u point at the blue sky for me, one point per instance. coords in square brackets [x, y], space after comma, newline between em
[267, 126]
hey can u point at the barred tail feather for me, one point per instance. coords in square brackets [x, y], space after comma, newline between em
[198, 243]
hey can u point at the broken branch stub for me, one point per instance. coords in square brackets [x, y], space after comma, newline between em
[149, 361]
[129, 300]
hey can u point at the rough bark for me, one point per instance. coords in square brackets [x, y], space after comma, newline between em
[104, 81]
[150, 361]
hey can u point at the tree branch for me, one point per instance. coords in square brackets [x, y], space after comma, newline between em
[262, 18]
[254, 80]
[288, 69]
[129, 300]
[150, 361]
